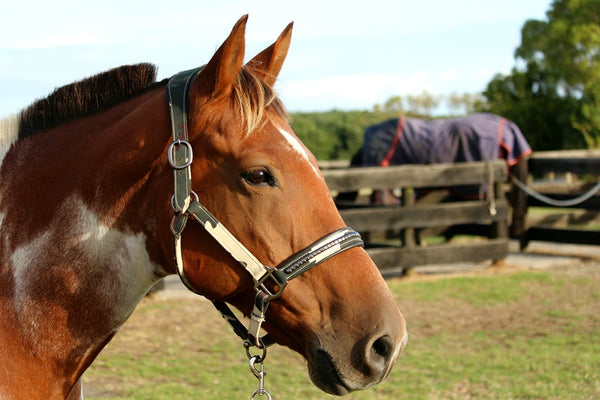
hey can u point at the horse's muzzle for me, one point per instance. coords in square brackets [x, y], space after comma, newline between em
[367, 363]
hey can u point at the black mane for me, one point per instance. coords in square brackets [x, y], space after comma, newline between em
[86, 97]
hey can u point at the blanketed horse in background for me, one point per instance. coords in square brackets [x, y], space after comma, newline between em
[89, 222]
[477, 137]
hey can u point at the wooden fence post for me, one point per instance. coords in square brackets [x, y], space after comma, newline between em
[408, 234]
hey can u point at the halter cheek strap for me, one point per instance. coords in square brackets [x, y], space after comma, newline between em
[185, 204]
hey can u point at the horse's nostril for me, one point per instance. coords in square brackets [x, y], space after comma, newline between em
[383, 347]
[378, 356]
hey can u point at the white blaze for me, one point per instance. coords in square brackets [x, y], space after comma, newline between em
[298, 148]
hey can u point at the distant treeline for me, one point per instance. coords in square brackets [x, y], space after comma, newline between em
[334, 135]
[337, 135]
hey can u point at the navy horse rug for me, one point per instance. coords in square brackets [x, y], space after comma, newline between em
[478, 137]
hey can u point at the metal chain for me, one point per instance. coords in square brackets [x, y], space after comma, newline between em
[256, 365]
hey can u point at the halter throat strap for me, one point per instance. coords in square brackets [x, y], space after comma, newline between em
[185, 203]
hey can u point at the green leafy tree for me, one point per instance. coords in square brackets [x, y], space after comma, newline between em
[394, 104]
[423, 103]
[554, 91]
[462, 103]
[335, 135]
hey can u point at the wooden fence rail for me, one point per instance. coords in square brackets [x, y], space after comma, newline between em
[575, 161]
[401, 247]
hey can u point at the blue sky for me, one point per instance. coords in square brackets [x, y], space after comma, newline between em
[344, 54]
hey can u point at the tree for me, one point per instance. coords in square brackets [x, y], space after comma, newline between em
[394, 104]
[554, 92]
[465, 103]
[422, 104]
[334, 134]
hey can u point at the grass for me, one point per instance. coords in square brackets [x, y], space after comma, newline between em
[482, 291]
[504, 366]
[526, 335]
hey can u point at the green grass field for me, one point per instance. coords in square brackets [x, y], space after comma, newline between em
[521, 335]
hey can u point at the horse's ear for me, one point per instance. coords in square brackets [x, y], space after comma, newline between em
[268, 63]
[222, 71]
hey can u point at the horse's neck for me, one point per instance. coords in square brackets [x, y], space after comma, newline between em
[75, 260]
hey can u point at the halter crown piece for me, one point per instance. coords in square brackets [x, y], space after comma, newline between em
[185, 204]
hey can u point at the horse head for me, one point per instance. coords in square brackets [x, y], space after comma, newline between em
[260, 182]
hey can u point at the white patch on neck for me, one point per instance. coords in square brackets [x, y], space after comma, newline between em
[9, 131]
[81, 255]
[298, 148]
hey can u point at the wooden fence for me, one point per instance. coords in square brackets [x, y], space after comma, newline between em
[394, 234]
[563, 175]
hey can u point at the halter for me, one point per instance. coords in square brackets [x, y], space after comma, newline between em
[185, 204]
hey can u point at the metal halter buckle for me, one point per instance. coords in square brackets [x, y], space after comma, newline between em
[189, 155]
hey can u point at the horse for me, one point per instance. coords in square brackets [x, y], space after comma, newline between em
[476, 137]
[98, 181]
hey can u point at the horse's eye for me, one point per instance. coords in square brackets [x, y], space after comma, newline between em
[259, 177]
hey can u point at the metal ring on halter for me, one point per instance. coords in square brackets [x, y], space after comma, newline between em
[190, 154]
[261, 358]
[192, 194]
